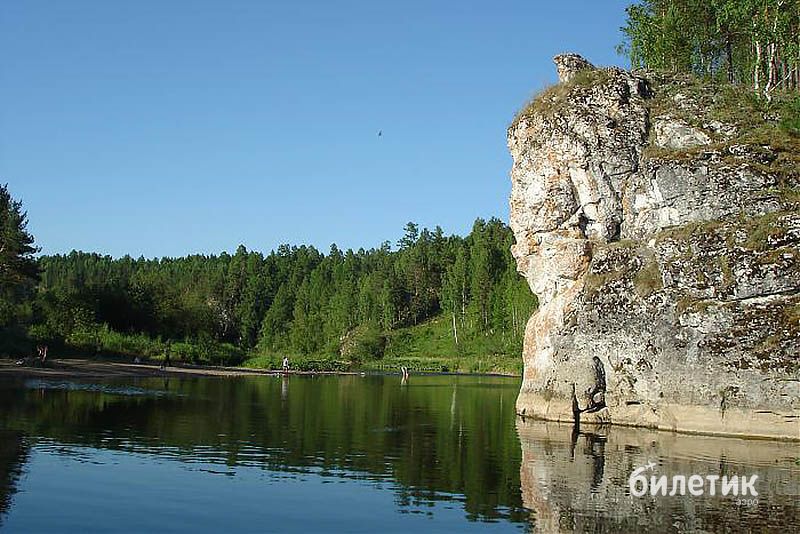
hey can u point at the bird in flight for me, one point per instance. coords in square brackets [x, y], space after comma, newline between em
[380, 133]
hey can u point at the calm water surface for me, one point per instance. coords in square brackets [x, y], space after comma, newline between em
[357, 454]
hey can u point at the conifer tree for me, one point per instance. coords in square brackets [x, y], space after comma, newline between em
[18, 269]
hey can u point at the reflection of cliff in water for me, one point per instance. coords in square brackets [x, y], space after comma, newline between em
[577, 480]
[13, 455]
[448, 438]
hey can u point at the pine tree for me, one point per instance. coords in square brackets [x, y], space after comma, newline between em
[18, 269]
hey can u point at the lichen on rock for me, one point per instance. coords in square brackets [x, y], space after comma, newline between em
[665, 247]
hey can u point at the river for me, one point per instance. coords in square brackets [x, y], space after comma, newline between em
[357, 454]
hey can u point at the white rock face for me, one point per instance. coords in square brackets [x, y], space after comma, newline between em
[678, 135]
[566, 176]
[591, 215]
[568, 65]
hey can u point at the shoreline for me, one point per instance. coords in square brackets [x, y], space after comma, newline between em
[745, 423]
[88, 368]
[85, 368]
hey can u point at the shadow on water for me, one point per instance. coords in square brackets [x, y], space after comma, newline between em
[13, 455]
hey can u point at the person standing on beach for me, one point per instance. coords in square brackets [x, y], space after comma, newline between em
[285, 364]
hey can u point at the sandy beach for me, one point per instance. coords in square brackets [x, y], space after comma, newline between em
[86, 368]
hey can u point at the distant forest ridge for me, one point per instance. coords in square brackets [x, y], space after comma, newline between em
[293, 300]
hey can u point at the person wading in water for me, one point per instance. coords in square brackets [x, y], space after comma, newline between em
[167, 352]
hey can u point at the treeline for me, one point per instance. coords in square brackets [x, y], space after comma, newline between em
[754, 42]
[294, 300]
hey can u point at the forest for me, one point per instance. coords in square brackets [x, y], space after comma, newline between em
[335, 309]
[751, 42]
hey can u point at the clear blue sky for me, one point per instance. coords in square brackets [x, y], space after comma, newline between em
[174, 127]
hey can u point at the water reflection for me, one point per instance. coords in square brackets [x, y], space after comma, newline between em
[436, 439]
[13, 455]
[577, 480]
[435, 445]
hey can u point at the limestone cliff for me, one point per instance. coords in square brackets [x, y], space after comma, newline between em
[658, 221]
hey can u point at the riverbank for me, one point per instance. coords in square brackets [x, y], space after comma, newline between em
[94, 369]
[425, 348]
[91, 369]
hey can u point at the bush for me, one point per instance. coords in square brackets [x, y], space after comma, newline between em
[93, 339]
[206, 351]
[363, 343]
[790, 116]
[128, 344]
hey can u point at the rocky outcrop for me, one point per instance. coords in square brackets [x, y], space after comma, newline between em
[661, 235]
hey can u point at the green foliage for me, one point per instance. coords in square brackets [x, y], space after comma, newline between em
[327, 311]
[14, 342]
[364, 343]
[18, 270]
[295, 300]
[430, 347]
[100, 340]
[298, 362]
[206, 351]
[433, 339]
[742, 41]
[790, 117]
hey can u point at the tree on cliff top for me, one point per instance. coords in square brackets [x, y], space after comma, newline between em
[18, 269]
[745, 41]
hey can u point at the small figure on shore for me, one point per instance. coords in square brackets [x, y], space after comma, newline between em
[285, 364]
[405, 374]
[42, 350]
[167, 353]
[40, 358]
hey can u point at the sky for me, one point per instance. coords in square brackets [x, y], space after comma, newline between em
[165, 128]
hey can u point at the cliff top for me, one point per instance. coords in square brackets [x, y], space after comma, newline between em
[710, 115]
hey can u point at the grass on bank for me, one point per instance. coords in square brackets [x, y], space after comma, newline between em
[428, 347]
[299, 362]
[102, 341]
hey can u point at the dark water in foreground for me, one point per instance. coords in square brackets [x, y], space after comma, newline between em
[352, 453]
